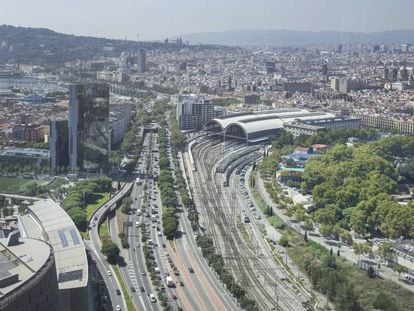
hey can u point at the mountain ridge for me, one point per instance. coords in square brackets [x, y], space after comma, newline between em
[285, 37]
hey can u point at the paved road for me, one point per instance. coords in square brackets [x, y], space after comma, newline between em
[94, 245]
[205, 280]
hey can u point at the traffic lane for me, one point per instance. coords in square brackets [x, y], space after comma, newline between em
[139, 266]
[123, 268]
[200, 281]
[213, 281]
[183, 266]
[103, 268]
[139, 262]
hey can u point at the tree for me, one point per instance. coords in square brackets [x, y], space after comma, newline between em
[399, 269]
[110, 250]
[361, 248]
[308, 225]
[284, 240]
[170, 226]
[78, 216]
[300, 212]
[384, 302]
[384, 249]
[345, 236]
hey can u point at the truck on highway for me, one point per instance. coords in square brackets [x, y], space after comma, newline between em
[169, 281]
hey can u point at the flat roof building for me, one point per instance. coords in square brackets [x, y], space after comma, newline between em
[28, 279]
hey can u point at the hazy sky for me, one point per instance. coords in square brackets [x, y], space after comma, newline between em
[157, 19]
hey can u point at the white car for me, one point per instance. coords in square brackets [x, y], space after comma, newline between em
[109, 273]
[118, 308]
[152, 298]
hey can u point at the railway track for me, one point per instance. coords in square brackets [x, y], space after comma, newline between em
[269, 292]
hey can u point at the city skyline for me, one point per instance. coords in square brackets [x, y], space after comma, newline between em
[160, 18]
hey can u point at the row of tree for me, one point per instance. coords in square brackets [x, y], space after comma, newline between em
[216, 261]
[166, 184]
[82, 194]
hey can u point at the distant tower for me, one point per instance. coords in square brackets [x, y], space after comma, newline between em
[385, 74]
[339, 49]
[142, 61]
[325, 69]
[404, 74]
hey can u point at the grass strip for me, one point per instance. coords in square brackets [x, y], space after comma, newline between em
[128, 300]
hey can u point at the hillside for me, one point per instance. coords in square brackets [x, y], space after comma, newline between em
[46, 47]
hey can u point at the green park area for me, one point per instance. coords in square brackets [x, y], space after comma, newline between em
[100, 199]
[15, 185]
[84, 198]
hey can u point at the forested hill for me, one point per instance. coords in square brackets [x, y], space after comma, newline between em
[46, 47]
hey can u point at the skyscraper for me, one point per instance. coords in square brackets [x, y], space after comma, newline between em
[142, 61]
[89, 135]
[59, 144]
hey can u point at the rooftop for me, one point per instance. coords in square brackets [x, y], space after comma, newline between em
[60, 231]
[23, 260]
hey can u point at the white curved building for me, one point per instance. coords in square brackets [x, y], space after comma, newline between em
[261, 126]
[47, 221]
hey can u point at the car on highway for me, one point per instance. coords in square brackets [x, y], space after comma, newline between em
[118, 292]
[181, 283]
[190, 269]
[118, 308]
[143, 273]
[142, 289]
[173, 296]
[133, 289]
[109, 273]
[152, 298]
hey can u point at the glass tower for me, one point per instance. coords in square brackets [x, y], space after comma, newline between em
[89, 135]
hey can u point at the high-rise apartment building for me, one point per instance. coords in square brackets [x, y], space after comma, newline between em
[193, 112]
[89, 135]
